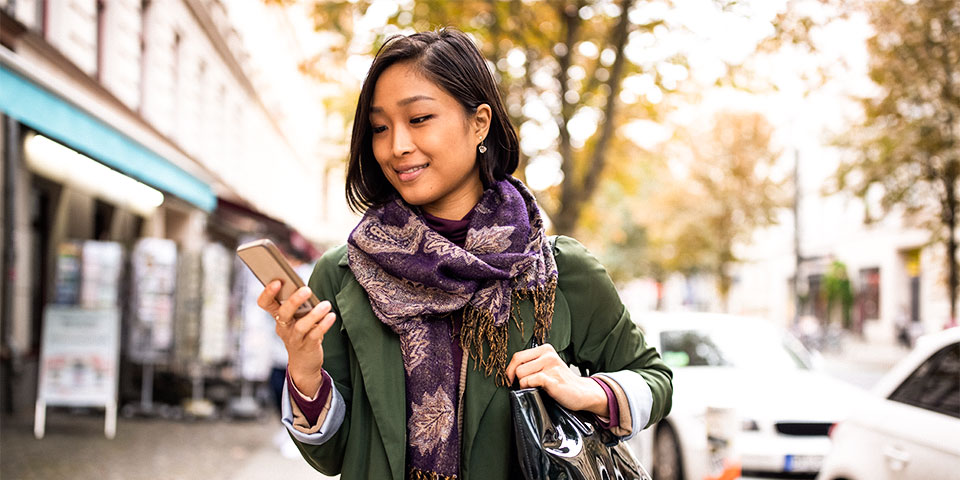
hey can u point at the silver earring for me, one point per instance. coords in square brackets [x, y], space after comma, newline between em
[482, 148]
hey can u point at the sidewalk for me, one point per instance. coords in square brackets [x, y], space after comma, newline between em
[149, 449]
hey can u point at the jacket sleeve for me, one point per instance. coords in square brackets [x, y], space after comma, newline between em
[327, 456]
[605, 340]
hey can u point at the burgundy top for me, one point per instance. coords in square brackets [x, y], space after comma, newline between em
[456, 232]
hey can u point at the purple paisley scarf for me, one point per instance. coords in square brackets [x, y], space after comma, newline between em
[415, 279]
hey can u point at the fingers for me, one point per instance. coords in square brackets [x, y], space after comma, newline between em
[536, 365]
[289, 306]
[525, 356]
[317, 332]
[539, 379]
[268, 297]
[306, 324]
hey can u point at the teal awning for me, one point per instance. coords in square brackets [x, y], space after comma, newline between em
[56, 118]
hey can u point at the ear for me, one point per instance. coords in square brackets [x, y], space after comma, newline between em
[480, 123]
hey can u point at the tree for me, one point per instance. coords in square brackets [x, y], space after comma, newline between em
[718, 193]
[561, 66]
[836, 287]
[909, 142]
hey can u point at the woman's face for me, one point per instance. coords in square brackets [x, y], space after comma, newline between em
[426, 143]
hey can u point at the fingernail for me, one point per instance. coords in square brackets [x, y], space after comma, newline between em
[275, 284]
[325, 304]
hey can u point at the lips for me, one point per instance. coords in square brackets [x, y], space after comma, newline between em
[407, 174]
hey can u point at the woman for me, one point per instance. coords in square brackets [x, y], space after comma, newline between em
[403, 370]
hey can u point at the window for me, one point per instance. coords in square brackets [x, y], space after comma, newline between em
[868, 299]
[690, 349]
[743, 346]
[144, 65]
[101, 35]
[817, 301]
[935, 385]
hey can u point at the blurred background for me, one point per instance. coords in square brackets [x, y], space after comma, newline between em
[795, 161]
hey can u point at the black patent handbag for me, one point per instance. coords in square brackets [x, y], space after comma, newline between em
[557, 444]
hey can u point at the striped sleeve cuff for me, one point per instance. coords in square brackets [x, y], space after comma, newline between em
[327, 424]
[634, 401]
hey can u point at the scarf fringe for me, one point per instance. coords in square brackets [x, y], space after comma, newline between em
[486, 342]
[417, 474]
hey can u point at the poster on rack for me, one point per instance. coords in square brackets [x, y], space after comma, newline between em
[189, 299]
[216, 261]
[66, 290]
[101, 269]
[154, 277]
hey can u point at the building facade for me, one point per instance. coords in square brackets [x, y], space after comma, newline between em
[132, 119]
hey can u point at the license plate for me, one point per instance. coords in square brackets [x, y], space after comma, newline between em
[802, 463]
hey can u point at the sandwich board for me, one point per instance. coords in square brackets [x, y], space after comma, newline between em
[79, 362]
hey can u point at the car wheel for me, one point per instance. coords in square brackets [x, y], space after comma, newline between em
[667, 464]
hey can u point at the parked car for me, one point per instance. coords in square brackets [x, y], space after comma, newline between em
[910, 427]
[746, 399]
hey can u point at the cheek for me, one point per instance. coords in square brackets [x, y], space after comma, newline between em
[380, 154]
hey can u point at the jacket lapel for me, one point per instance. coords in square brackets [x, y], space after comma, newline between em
[480, 391]
[378, 353]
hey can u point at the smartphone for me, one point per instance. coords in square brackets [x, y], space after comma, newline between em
[268, 264]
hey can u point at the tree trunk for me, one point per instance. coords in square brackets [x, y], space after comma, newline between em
[570, 187]
[576, 191]
[950, 217]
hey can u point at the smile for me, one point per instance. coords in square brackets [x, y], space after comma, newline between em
[414, 169]
[411, 173]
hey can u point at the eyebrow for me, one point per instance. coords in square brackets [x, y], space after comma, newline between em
[404, 102]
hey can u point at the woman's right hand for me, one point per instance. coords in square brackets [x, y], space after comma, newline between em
[303, 337]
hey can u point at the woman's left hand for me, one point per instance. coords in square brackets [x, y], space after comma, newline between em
[542, 367]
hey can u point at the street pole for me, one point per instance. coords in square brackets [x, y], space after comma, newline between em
[797, 194]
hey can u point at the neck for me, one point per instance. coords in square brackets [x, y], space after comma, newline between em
[456, 206]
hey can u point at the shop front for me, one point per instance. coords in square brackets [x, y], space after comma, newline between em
[93, 221]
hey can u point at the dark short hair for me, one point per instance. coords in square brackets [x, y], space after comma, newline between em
[450, 59]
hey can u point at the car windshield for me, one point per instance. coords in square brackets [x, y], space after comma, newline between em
[759, 347]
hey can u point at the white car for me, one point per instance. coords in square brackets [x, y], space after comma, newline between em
[746, 400]
[910, 428]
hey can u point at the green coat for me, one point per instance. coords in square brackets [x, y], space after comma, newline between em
[591, 328]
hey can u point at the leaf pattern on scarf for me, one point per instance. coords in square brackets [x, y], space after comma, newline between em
[414, 345]
[431, 421]
[517, 268]
[495, 239]
[405, 297]
[443, 248]
[489, 298]
[378, 237]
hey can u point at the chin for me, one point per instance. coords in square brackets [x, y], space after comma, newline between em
[415, 198]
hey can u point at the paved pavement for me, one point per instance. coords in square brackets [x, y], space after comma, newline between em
[75, 448]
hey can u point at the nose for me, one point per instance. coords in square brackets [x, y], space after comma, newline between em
[402, 142]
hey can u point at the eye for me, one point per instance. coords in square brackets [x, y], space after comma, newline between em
[421, 119]
[378, 129]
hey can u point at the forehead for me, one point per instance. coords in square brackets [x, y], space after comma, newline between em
[402, 81]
